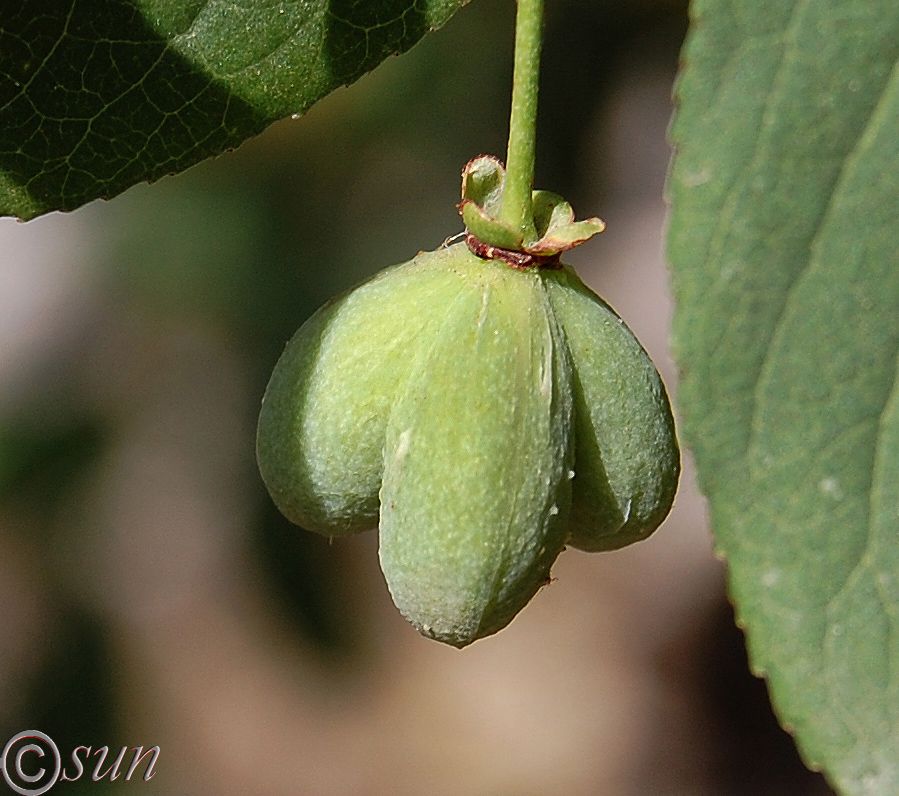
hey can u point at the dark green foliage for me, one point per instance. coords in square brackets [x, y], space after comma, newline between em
[97, 95]
[785, 195]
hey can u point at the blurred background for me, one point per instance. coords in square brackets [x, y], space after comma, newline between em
[152, 595]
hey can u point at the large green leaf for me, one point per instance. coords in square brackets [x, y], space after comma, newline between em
[96, 95]
[783, 242]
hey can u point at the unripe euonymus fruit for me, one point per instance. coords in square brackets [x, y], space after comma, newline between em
[483, 416]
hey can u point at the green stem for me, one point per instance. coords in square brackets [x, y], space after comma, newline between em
[517, 207]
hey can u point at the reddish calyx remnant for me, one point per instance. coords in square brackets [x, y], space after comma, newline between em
[516, 259]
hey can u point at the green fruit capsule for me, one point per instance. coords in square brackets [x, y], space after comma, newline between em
[484, 417]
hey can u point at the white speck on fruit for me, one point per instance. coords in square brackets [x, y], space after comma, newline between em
[553, 510]
[831, 487]
[482, 317]
[403, 445]
[546, 373]
[730, 269]
[697, 178]
[571, 475]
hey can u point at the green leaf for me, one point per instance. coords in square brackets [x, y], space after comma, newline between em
[785, 193]
[97, 95]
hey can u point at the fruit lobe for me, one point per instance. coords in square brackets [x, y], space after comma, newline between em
[627, 459]
[321, 427]
[474, 502]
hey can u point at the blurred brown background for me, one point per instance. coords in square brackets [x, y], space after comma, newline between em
[152, 595]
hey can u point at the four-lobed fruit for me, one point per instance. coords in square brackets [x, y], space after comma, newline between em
[483, 417]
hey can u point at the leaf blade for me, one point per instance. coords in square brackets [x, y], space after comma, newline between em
[97, 95]
[786, 331]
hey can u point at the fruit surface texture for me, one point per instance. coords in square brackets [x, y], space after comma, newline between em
[483, 417]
